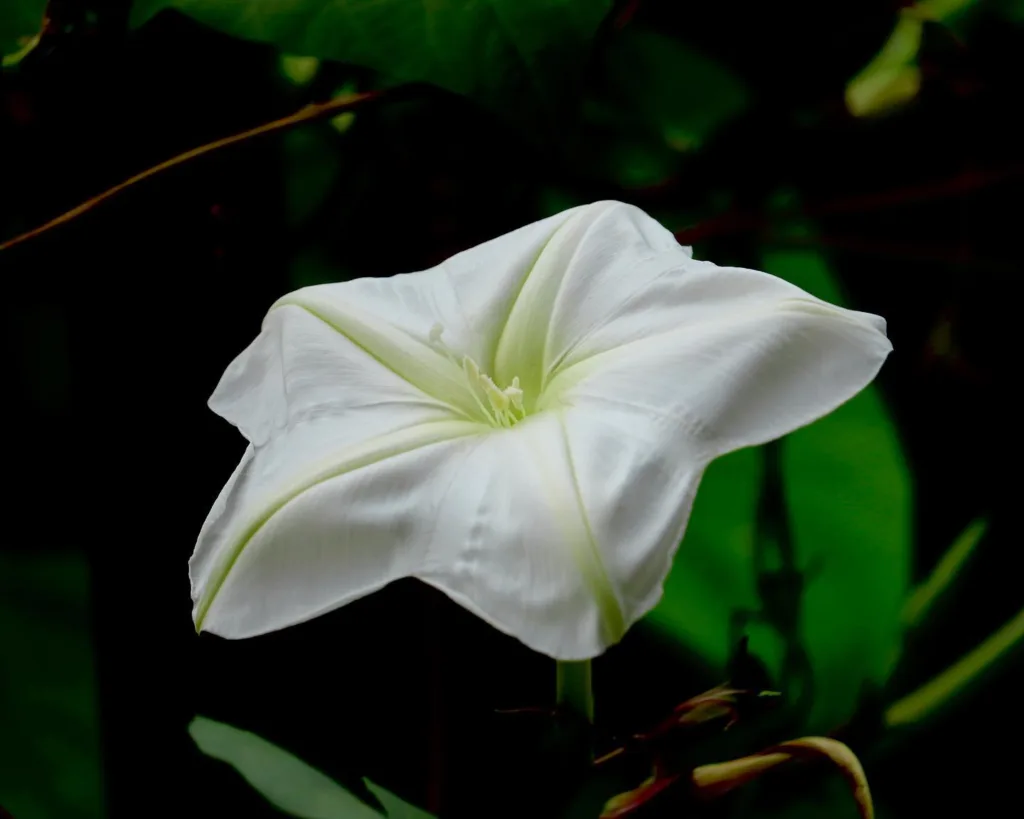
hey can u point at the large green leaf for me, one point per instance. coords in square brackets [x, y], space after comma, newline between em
[20, 21]
[289, 783]
[713, 575]
[804, 546]
[520, 57]
[49, 730]
[849, 492]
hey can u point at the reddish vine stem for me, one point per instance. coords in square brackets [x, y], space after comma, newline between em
[953, 186]
[310, 113]
[895, 251]
[733, 222]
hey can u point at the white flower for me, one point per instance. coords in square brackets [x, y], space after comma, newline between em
[523, 427]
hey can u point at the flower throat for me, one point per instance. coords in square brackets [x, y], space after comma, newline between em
[501, 407]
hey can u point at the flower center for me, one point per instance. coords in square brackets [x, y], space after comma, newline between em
[501, 407]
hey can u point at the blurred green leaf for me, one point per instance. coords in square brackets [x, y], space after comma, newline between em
[312, 165]
[343, 122]
[632, 160]
[523, 58]
[49, 730]
[892, 78]
[943, 10]
[831, 619]
[849, 491]
[313, 266]
[289, 783]
[1012, 10]
[285, 780]
[20, 22]
[713, 574]
[299, 70]
[672, 90]
[961, 677]
[925, 596]
[394, 807]
[828, 796]
[660, 100]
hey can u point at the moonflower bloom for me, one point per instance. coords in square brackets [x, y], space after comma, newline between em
[523, 427]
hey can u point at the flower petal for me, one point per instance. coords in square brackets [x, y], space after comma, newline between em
[738, 377]
[639, 364]
[407, 356]
[299, 530]
[612, 276]
[470, 294]
[494, 520]
[513, 544]
[644, 421]
[599, 261]
[300, 368]
[321, 414]
[638, 475]
[696, 297]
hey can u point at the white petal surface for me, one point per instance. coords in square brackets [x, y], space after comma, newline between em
[368, 461]
[470, 294]
[300, 368]
[513, 544]
[599, 263]
[638, 475]
[644, 421]
[317, 408]
[494, 520]
[739, 377]
[302, 529]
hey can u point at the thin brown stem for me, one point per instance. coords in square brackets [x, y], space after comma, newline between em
[310, 113]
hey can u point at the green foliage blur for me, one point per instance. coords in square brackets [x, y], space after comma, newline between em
[870, 153]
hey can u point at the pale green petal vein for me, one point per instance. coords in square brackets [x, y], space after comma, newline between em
[368, 453]
[411, 359]
[587, 554]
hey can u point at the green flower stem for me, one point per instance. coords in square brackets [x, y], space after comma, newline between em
[573, 688]
[943, 688]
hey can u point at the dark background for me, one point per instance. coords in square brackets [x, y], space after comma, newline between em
[118, 325]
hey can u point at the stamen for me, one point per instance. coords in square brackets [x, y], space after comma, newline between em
[515, 395]
[503, 407]
[498, 399]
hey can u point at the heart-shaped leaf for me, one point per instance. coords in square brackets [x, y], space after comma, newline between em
[522, 58]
